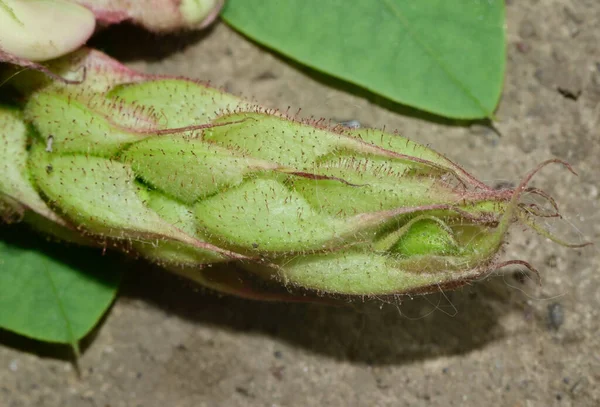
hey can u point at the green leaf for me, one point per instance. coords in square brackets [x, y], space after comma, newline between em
[53, 293]
[444, 57]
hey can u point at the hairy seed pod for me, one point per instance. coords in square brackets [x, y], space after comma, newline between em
[189, 176]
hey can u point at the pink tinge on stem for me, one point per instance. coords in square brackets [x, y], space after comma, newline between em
[39, 30]
[156, 15]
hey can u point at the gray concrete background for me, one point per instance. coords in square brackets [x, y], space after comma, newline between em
[497, 343]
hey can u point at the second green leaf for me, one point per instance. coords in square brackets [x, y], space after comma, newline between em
[443, 57]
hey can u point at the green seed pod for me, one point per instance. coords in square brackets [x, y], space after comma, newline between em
[188, 176]
[426, 237]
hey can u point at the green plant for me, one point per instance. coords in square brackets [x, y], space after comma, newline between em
[189, 176]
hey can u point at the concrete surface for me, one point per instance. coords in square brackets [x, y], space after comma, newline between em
[502, 342]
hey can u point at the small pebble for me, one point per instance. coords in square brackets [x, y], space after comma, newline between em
[527, 29]
[352, 124]
[556, 315]
[522, 47]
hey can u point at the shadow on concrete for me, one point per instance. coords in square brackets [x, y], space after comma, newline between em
[128, 43]
[373, 332]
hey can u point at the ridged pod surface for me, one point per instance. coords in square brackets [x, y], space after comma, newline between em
[189, 176]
